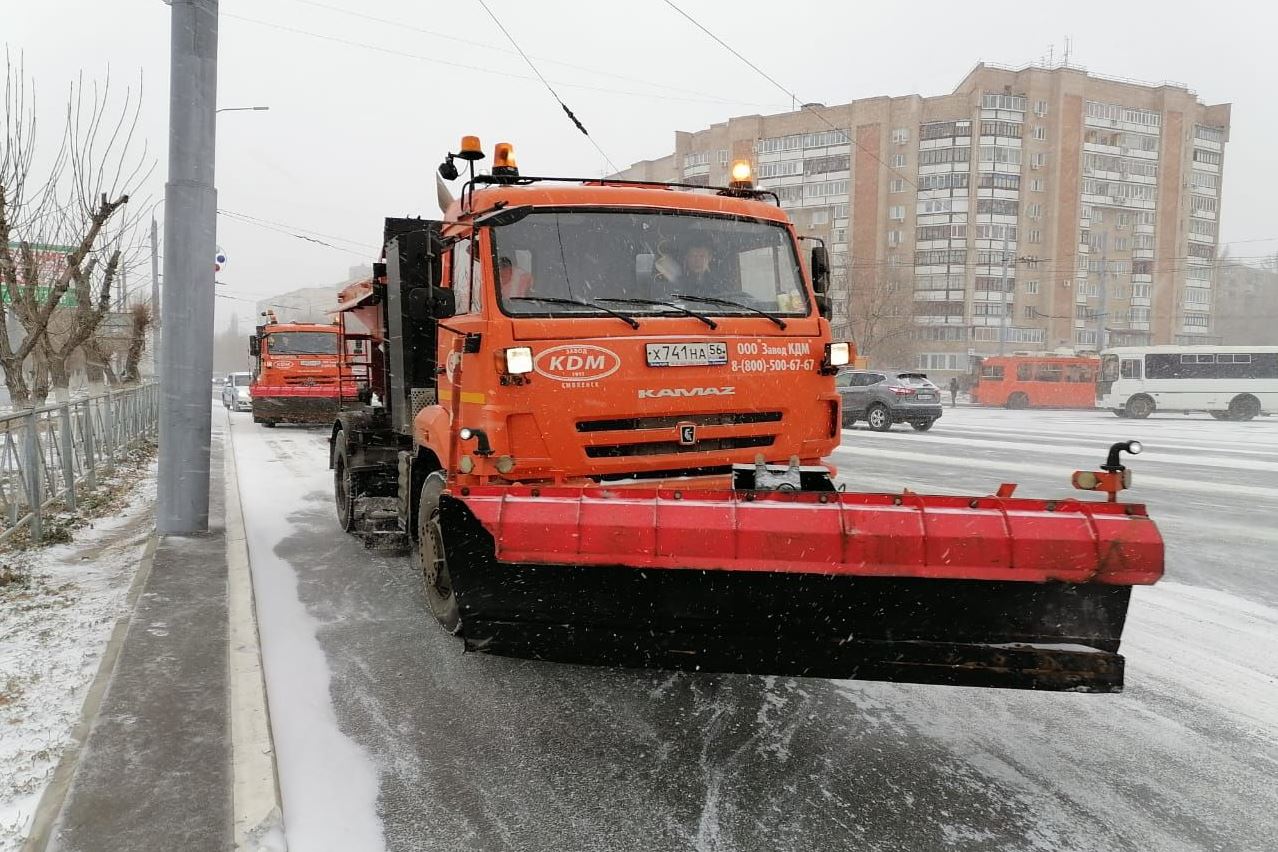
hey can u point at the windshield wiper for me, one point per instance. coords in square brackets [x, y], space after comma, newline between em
[716, 301]
[551, 300]
[680, 308]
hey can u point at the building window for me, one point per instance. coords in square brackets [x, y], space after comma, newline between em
[1197, 296]
[998, 180]
[1210, 134]
[896, 185]
[1036, 185]
[819, 217]
[1040, 133]
[1031, 288]
[945, 130]
[784, 168]
[1007, 129]
[950, 180]
[723, 156]
[996, 206]
[822, 165]
[839, 235]
[1202, 204]
[825, 139]
[697, 158]
[896, 213]
[898, 161]
[1034, 211]
[1015, 103]
[937, 156]
[1030, 311]
[1000, 154]
[900, 135]
[1039, 160]
[1211, 158]
[1040, 108]
[1034, 236]
[894, 238]
[1122, 244]
[1197, 320]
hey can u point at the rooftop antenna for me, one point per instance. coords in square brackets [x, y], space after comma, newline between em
[1051, 55]
[1067, 49]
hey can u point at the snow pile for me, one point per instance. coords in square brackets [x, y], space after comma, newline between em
[55, 618]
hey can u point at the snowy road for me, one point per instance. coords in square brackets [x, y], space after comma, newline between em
[389, 738]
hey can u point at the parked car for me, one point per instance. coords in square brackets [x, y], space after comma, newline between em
[884, 397]
[235, 392]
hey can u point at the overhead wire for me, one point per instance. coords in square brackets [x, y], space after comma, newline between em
[567, 111]
[793, 97]
[478, 69]
[294, 234]
[401, 25]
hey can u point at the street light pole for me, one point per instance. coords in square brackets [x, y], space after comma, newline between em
[190, 223]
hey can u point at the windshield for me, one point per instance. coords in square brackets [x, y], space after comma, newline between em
[241, 380]
[302, 343]
[601, 255]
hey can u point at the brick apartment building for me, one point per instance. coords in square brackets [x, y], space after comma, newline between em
[1048, 207]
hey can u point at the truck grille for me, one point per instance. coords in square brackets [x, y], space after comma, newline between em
[661, 448]
[670, 421]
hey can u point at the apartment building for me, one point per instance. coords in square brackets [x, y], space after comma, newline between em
[1032, 209]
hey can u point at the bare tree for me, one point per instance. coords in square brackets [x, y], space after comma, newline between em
[71, 228]
[140, 321]
[881, 314]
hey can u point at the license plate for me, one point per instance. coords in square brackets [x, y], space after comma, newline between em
[927, 396]
[312, 363]
[687, 354]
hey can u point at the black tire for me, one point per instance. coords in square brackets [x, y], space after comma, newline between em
[879, 418]
[1139, 407]
[343, 484]
[1118, 412]
[1244, 407]
[1220, 415]
[430, 558]
[1018, 401]
[848, 422]
[922, 425]
[269, 424]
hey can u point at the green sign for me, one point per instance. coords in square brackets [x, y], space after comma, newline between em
[50, 260]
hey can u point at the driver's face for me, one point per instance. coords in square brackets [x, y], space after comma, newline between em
[507, 273]
[697, 260]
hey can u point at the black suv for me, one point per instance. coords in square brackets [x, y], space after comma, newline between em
[884, 397]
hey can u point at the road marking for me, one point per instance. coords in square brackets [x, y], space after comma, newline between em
[258, 816]
[999, 467]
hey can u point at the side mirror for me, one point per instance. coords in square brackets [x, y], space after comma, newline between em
[820, 269]
[823, 305]
[427, 303]
[254, 346]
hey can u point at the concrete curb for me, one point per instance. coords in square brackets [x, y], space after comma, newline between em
[256, 806]
[55, 794]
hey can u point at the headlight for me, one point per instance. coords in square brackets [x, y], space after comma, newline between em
[519, 360]
[837, 354]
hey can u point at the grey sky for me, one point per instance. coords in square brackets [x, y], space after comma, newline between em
[354, 133]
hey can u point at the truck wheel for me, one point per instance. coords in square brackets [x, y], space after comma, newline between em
[879, 418]
[1219, 415]
[1244, 407]
[269, 424]
[343, 484]
[1140, 407]
[922, 425]
[1018, 400]
[431, 559]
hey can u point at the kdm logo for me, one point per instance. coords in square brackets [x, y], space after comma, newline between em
[577, 363]
[669, 392]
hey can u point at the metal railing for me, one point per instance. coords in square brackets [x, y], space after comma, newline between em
[55, 452]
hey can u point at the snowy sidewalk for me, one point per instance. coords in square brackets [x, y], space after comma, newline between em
[156, 766]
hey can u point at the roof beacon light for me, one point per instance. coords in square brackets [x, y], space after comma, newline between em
[471, 149]
[742, 175]
[504, 160]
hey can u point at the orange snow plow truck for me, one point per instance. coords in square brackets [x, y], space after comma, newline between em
[598, 419]
[297, 374]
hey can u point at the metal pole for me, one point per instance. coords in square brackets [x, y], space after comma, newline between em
[1104, 293]
[1002, 321]
[155, 297]
[190, 223]
[68, 455]
[35, 476]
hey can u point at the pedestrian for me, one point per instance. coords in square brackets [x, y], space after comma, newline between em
[954, 386]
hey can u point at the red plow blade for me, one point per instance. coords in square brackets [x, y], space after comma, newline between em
[977, 591]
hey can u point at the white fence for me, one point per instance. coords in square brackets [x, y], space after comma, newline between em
[54, 453]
